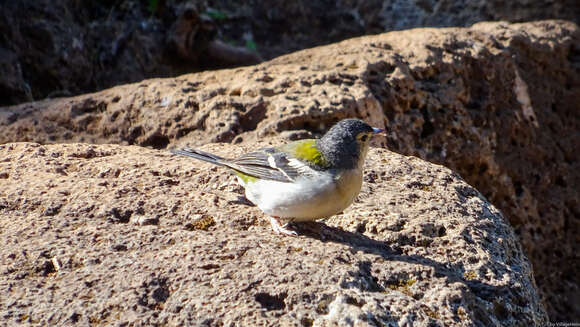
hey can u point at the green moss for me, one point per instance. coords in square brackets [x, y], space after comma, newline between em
[462, 314]
[402, 286]
[203, 223]
[426, 188]
[424, 242]
[296, 249]
[469, 275]
[322, 307]
[431, 313]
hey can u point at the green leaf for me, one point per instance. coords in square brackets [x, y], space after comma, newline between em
[216, 15]
[153, 5]
[251, 45]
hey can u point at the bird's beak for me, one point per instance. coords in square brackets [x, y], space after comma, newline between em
[378, 131]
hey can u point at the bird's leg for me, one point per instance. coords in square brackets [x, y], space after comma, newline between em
[279, 229]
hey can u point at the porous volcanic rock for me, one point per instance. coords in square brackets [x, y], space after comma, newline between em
[113, 235]
[496, 102]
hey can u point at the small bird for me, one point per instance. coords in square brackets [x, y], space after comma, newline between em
[303, 180]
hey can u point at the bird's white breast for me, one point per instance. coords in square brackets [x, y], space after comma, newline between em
[313, 196]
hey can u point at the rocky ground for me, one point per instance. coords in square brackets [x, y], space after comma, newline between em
[123, 235]
[495, 102]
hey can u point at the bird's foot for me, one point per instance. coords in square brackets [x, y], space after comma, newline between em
[281, 229]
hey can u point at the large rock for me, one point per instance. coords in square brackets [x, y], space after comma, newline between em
[110, 235]
[496, 102]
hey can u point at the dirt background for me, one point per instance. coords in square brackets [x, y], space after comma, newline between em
[69, 47]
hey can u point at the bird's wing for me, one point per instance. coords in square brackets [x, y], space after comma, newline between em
[268, 163]
[200, 155]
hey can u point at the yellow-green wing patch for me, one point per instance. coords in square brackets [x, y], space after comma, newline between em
[306, 151]
[246, 178]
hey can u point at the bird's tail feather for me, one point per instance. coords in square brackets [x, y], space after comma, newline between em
[200, 155]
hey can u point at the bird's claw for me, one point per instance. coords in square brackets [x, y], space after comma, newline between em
[281, 229]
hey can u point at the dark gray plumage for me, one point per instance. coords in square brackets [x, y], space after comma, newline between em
[339, 145]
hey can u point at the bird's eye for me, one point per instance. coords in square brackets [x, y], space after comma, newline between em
[364, 138]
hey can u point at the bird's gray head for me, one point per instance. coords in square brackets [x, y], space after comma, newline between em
[345, 145]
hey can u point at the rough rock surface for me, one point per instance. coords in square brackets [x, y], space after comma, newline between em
[109, 234]
[52, 48]
[498, 103]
